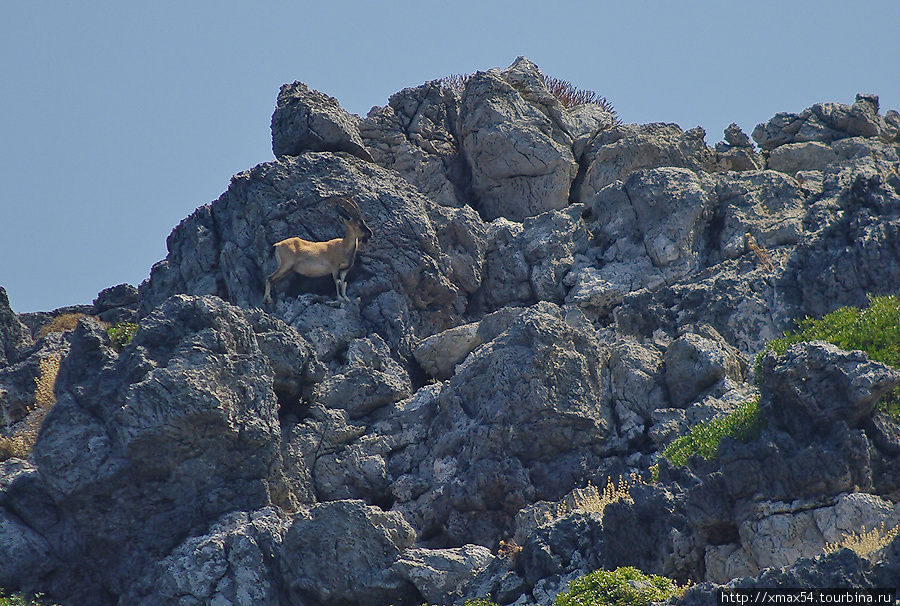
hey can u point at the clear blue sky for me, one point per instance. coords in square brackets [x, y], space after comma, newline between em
[117, 119]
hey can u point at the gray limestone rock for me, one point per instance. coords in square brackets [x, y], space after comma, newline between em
[415, 135]
[13, 334]
[401, 277]
[440, 574]
[695, 362]
[307, 120]
[117, 304]
[794, 157]
[186, 414]
[344, 552]
[816, 385]
[439, 354]
[370, 380]
[520, 157]
[236, 563]
[623, 149]
[824, 122]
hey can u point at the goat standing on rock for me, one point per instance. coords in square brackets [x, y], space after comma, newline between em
[317, 259]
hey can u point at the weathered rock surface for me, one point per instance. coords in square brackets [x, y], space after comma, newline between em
[343, 553]
[826, 122]
[816, 385]
[307, 120]
[13, 334]
[402, 277]
[234, 563]
[520, 157]
[415, 134]
[117, 304]
[616, 153]
[187, 414]
[548, 301]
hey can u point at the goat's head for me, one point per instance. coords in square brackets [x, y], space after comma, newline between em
[352, 218]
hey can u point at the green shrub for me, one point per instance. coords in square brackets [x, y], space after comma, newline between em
[625, 586]
[122, 333]
[874, 330]
[743, 423]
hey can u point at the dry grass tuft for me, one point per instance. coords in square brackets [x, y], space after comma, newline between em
[509, 550]
[587, 500]
[865, 542]
[60, 323]
[20, 438]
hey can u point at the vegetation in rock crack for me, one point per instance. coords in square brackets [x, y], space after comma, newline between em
[571, 96]
[620, 587]
[122, 333]
[18, 599]
[565, 92]
[743, 423]
[874, 330]
[866, 542]
[18, 439]
[60, 323]
[588, 500]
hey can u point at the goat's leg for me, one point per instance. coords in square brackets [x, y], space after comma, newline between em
[337, 284]
[276, 275]
[344, 285]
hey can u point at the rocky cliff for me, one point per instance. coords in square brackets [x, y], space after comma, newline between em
[549, 300]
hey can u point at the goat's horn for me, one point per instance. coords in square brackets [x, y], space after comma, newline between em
[348, 205]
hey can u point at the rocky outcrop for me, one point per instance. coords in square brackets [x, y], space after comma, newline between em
[521, 158]
[185, 414]
[828, 122]
[415, 134]
[403, 279]
[13, 334]
[307, 120]
[549, 300]
[117, 304]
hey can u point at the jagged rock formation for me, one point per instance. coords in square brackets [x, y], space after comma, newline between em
[549, 299]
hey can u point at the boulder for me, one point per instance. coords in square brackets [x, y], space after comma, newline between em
[440, 574]
[814, 386]
[794, 157]
[117, 304]
[370, 380]
[307, 120]
[151, 445]
[415, 134]
[344, 552]
[521, 159]
[824, 122]
[462, 236]
[235, 562]
[696, 361]
[616, 153]
[439, 354]
[853, 250]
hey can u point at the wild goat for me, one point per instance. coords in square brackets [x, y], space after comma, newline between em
[316, 259]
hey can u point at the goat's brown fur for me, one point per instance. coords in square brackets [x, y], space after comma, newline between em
[317, 259]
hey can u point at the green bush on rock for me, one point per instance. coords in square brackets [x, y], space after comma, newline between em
[626, 586]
